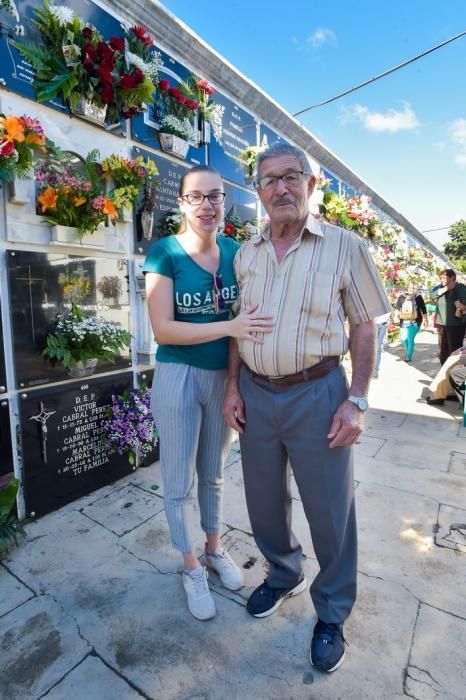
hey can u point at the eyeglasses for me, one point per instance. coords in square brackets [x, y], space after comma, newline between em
[219, 301]
[290, 179]
[196, 198]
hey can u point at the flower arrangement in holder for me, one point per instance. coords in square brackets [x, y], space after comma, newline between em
[353, 213]
[74, 62]
[129, 427]
[176, 112]
[81, 338]
[22, 139]
[73, 195]
[322, 182]
[10, 527]
[129, 177]
[110, 286]
[210, 113]
[247, 157]
[235, 228]
[76, 289]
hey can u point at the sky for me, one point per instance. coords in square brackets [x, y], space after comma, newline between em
[405, 135]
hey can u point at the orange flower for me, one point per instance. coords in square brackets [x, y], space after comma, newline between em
[14, 128]
[66, 189]
[35, 138]
[77, 201]
[48, 199]
[109, 208]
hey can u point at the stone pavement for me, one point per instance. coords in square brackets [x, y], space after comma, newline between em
[92, 605]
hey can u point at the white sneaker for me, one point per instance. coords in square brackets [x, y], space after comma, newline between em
[200, 601]
[221, 562]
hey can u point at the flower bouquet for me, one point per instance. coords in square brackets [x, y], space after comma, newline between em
[10, 527]
[21, 140]
[247, 157]
[235, 228]
[75, 289]
[74, 62]
[210, 113]
[176, 112]
[110, 286]
[129, 428]
[81, 338]
[322, 182]
[129, 177]
[71, 194]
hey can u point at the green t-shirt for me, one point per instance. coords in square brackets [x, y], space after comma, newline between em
[193, 297]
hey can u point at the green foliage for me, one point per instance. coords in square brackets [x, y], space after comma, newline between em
[456, 247]
[10, 527]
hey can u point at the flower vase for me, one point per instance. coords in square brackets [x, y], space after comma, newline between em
[83, 369]
[147, 223]
[174, 145]
[20, 191]
[90, 111]
[249, 176]
[69, 235]
[127, 214]
[204, 132]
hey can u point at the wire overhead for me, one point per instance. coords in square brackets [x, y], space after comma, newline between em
[381, 75]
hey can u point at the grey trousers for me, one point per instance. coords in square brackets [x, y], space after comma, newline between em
[187, 408]
[289, 426]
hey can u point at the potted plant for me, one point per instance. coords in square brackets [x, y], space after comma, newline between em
[126, 179]
[176, 112]
[129, 428]
[99, 80]
[71, 198]
[209, 113]
[110, 287]
[22, 139]
[80, 340]
[10, 527]
[247, 157]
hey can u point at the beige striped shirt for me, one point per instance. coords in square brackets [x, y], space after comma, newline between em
[326, 277]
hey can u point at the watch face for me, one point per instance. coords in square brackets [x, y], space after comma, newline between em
[363, 405]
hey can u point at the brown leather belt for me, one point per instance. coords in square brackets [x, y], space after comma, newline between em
[306, 375]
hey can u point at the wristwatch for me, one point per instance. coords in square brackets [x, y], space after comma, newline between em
[360, 402]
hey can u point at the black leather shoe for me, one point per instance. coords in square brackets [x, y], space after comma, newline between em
[435, 402]
[265, 599]
[327, 646]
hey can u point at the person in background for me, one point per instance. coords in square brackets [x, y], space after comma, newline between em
[382, 325]
[289, 398]
[452, 326]
[191, 288]
[450, 378]
[411, 311]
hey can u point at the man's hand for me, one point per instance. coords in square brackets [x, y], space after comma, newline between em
[347, 425]
[233, 407]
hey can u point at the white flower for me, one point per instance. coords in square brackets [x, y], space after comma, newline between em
[10, 7]
[216, 120]
[150, 68]
[180, 127]
[62, 14]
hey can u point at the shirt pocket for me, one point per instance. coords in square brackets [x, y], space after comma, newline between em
[323, 299]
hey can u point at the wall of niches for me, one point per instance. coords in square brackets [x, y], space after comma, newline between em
[51, 423]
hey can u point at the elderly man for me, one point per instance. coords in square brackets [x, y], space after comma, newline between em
[450, 296]
[288, 395]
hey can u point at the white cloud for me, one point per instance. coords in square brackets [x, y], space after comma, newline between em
[322, 36]
[390, 121]
[457, 130]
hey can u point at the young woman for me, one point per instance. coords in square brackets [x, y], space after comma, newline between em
[412, 311]
[191, 287]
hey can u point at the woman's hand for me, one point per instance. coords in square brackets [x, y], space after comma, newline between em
[248, 323]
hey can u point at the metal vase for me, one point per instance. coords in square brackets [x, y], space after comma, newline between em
[84, 369]
[174, 145]
[89, 111]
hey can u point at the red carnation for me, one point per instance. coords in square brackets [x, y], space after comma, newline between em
[193, 104]
[7, 148]
[174, 92]
[209, 90]
[104, 51]
[202, 84]
[87, 32]
[89, 50]
[107, 94]
[88, 64]
[181, 99]
[117, 43]
[127, 82]
[142, 35]
[138, 76]
[229, 229]
[164, 85]
[105, 75]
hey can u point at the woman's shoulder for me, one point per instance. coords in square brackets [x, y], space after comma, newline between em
[228, 245]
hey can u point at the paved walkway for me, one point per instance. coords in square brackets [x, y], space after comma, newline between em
[92, 606]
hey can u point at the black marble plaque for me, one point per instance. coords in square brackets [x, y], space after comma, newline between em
[145, 127]
[238, 131]
[3, 386]
[42, 288]
[64, 457]
[6, 455]
[145, 379]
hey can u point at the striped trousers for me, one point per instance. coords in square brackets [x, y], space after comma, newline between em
[187, 408]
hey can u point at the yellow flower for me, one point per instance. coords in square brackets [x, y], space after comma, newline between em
[48, 199]
[14, 128]
[77, 201]
[109, 208]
